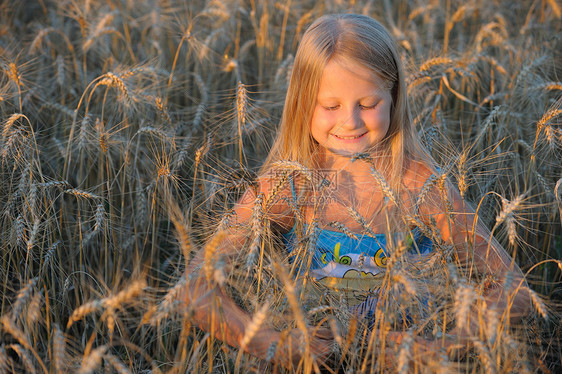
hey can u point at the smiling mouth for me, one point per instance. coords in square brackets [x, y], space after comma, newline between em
[348, 137]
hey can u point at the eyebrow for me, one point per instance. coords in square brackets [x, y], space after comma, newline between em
[374, 96]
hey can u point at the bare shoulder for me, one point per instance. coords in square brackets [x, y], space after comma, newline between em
[270, 195]
[416, 174]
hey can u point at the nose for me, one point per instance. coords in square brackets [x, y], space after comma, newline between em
[353, 119]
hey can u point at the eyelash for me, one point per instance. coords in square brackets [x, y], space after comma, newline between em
[330, 108]
[368, 106]
[364, 107]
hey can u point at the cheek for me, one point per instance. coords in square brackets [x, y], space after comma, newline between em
[382, 116]
[377, 120]
[322, 120]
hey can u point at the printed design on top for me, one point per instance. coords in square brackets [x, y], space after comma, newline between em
[343, 267]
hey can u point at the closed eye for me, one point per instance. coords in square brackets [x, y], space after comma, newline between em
[333, 107]
[365, 107]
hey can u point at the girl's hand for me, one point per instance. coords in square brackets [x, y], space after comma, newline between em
[292, 347]
[426, 349]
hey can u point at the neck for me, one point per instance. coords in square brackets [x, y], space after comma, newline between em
[331, 161]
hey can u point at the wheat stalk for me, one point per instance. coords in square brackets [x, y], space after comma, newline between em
[257, 225]
[209, 254]
[23, 184]
[359, 219]
[19, 230]
[104, 31]
[545, 119]
[277, 187]
[126, 295]
[11, 328]
[289, 290]
[24, 356]
[168, 303]
[14, 138]
[436, 61]
[103, 136]
[558, 195]
[61, 76]
[538, 303]
[463, 170]
[522, 76]
[117, 364]
[162, 109]
[408, 284]
[92, 361]
[110, 321]
[492, 324]
[284, 70]
[32, 235]
[83, 310]
[5, 361]
[429, 183]
[23, 295]
[8, 124]
[46, 84]
[85, 125]
[111, 302]
[485, 357]
[271, 351]
[257, 321]
[508, 208]
[153, 131]
[385, 187]
[99, 218]
[341, 227]
[82, 194]
[113, 80]
[32, 205]
[404, 355]
[548, 86]
[34, 309]
[312, 234]
[241, 113]
[319, 310]
[37, 41]
[464, 298]
[295, 166]
[59, 351]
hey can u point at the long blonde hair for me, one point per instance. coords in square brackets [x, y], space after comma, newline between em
[362, 40]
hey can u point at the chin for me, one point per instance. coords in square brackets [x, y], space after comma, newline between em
[348, 152]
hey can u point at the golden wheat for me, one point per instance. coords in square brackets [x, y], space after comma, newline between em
[138, 161]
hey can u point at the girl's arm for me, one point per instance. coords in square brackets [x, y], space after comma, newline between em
[479, 253]
[215, 312]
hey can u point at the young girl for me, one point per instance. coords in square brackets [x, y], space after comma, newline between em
[351, 191]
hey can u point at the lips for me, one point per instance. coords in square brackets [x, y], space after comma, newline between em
[348, 137]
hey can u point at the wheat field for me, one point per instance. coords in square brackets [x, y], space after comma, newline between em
[130, 127]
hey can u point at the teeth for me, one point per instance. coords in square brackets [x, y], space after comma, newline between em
[348, 137]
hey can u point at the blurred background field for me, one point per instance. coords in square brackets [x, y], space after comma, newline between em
[130, 127]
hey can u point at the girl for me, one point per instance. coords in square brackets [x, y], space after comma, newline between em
[351, 191]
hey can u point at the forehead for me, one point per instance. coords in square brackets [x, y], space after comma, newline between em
[342, 78]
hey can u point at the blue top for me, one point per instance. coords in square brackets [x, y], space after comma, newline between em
[353, 268]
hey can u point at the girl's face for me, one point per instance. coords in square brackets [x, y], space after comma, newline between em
[352, 110]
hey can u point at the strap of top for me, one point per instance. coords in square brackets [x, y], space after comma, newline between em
[293, 191]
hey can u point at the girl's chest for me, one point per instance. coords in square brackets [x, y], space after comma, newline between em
[359, 208]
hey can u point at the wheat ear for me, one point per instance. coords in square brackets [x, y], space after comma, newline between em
[251, 330]
[91, 362]
[59, 343]
[463, 300]
[117, 364]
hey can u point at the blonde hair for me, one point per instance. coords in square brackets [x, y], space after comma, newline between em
[358, 39]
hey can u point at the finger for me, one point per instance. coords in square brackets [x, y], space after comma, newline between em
[323, 333]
